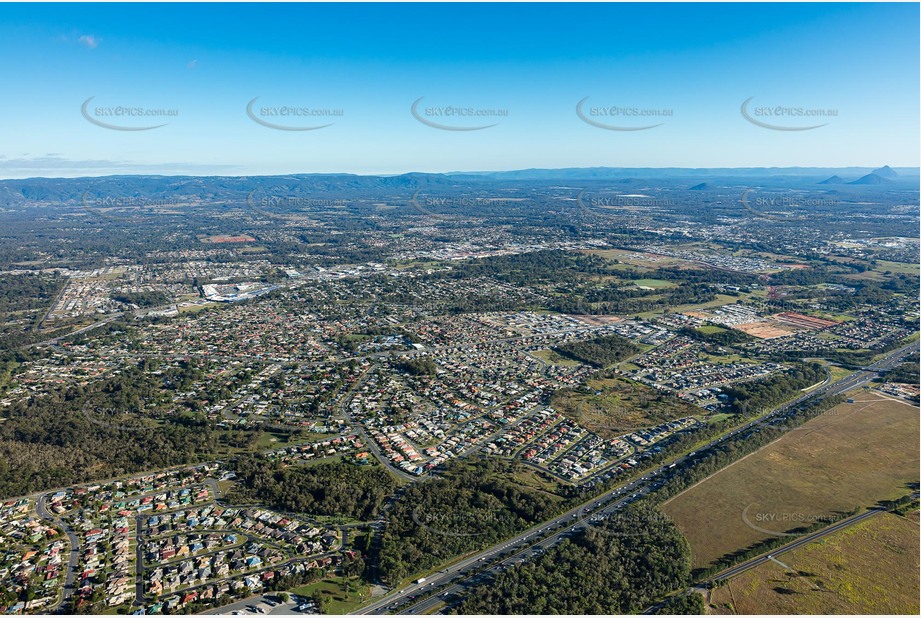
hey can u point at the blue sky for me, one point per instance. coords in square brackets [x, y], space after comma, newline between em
[693, 64]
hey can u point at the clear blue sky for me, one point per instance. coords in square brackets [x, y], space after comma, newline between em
[372, 61]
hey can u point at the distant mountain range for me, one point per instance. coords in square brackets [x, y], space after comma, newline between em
[870, 179]
[236, 189]
[880, 176]
[614, 173]
[885, 171]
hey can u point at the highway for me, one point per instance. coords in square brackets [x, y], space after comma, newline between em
[462, 575]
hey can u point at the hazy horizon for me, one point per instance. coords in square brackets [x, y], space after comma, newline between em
[802, 170]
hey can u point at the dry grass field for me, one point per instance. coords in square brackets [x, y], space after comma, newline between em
[618, 406]
[869, 568]
[850, 457]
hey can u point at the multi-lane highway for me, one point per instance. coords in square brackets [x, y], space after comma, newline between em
[472, 570]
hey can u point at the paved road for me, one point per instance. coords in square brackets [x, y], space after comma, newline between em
[804, 540]
[70, 573]
[368, 440]
[458, 577]
[772, 555]
[139, 561]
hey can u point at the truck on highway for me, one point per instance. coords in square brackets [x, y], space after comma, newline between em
[421, 580]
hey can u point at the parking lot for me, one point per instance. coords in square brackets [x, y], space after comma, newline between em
[267, 605]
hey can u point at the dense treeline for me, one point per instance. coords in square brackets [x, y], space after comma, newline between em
[121, 424]
[690, 604]
[152, 298]
[903, 505]
[618, 567]
[599, 352]
[552, 266]
[475, 504]
[28, 291]
[418, 366]
[24, 299]
[615, 299]
[906, 373]
[44, 445]
[334, 489]
[696, 275]
[752, 396]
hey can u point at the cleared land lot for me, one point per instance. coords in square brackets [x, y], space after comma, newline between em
[617, 405]
[850, 457]
[763, 330]
[870, 568]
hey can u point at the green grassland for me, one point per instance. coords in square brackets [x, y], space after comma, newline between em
[344, 594]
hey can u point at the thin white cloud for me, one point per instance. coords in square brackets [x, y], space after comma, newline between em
[89, 40]
[192, 64]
